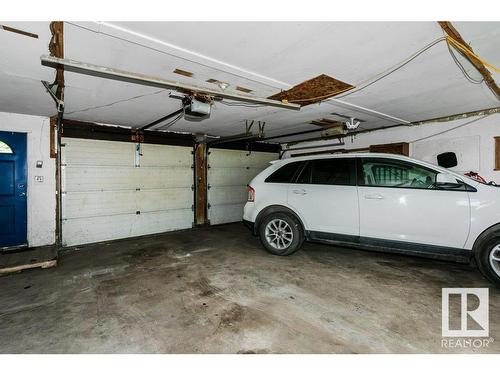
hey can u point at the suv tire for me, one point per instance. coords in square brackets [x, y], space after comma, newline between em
[487, 255]
[281, 233]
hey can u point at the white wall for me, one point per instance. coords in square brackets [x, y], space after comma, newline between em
[41, 195]
[472, 139]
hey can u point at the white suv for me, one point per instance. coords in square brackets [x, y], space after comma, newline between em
[379, 202]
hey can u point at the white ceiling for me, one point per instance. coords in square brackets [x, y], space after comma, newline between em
[21, 72]
[263, 56]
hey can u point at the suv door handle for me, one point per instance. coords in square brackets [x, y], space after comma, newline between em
[299, 191]
[374, 196]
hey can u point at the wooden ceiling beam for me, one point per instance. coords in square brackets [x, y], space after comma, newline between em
[56, 48]
[450, 30]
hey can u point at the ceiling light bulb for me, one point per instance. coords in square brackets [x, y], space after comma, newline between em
[223, 85]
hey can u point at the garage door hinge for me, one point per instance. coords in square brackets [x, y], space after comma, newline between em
[63, 144]
[192, 166]
[208, 166]
[209, 186]
[209, 206]
[137, 212]
[136, 135]
[192, 207]
[192, 187]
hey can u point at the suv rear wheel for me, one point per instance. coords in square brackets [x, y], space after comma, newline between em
[281, 234]
[488, 256]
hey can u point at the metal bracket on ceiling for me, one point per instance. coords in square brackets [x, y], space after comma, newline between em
[52, 89]
[249, 124]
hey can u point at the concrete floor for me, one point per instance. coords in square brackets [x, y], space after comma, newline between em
[215, 290]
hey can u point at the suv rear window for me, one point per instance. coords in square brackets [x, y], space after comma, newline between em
[332, 171]
[286, 173]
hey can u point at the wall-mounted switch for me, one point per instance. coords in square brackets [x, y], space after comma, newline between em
[38, 178]
[39, 163]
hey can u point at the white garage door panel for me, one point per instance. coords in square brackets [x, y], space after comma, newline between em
[166, 156]
[232, 176]
[84, 178]
[104, 228]
[228, 176]
[96, 203]
[91, 152]
[228, 194]
[106, 197]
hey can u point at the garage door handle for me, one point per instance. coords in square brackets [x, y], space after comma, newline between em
[299, 191]
[374, 196]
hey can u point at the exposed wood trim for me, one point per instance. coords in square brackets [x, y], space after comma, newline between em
[459, 116]
[200, 167]
[497, 153]
[18, 31]
[249, 146]
[400, 148]
[89, 130]
[53, 130]
[46, 264]
[330, 151]
[453, 33]
[56, 48]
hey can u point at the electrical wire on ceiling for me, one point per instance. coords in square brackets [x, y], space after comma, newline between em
[370, 81]
[116, 102]
[469, 53]
[237, 104]
[462, 68]
[170, 123]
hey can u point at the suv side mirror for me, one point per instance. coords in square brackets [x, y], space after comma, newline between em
[445, 178]
[448, 181]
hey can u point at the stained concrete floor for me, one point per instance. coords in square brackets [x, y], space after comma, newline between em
[215, 290]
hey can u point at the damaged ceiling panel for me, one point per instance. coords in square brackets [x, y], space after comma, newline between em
[313, 90]
[325, 123]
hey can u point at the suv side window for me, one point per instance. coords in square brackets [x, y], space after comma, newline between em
[286, 173]
[305, 175]
[331, 171]
[395, 173]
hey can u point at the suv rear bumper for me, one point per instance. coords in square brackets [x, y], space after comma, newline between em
[249, 225]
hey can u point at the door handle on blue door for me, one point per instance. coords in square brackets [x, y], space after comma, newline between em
[299, 191]
[373, 196]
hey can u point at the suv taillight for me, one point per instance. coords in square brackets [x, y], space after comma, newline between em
[251, 194]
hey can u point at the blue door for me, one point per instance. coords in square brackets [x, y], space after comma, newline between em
[13, 172]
